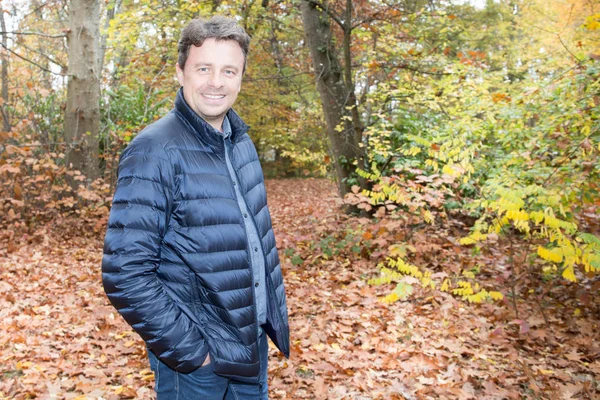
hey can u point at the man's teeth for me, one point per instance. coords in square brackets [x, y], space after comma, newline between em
[210, 96]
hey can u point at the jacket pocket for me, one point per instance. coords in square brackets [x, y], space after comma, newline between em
[212, 321]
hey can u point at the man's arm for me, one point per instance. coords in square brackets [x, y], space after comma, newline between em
[137, 223]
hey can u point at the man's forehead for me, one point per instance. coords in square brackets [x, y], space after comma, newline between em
[213, 52]
[217, 42]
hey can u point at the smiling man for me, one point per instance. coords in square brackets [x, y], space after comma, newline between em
[190, 259]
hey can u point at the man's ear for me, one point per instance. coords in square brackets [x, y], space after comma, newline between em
[179, 73]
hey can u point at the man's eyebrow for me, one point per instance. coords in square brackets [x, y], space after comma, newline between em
[202, 64]
[207, 64]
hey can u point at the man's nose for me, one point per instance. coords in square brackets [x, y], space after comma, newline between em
[215, 79]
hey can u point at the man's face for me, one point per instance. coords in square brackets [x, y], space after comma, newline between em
[212, 78]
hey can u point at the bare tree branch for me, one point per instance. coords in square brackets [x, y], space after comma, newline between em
[277, 77]
[32, 34]
[567, 49]
[331, 14]
[35, 10]
[47, 57]
[414, 69]
[32, 62]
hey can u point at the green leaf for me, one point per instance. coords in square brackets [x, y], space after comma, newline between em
[589, 239]
[297, 260]
[403, 290]
[289, 252]
[595, 262]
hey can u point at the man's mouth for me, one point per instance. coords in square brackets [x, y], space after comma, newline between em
[214, 96]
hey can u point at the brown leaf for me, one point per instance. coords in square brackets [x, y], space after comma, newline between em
[18, 192]
[568, 391]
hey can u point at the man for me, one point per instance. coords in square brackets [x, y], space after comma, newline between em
[189, 256]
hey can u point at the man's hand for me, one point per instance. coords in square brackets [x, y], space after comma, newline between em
[207, 361]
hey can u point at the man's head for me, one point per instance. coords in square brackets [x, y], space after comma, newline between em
[218, 28]
[211, 62]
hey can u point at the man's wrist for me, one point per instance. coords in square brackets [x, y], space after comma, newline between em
[206, 360]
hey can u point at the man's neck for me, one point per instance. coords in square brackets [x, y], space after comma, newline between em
[218, 125]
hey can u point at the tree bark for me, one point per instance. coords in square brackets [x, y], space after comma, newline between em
[82, 114]
[336, 89]
[215, 5]
[44, 61]
[111, 12]
[5, 117]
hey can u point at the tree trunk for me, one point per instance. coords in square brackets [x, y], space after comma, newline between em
[3, 110]
[215, 5]
[111, 12]
[41, 48]
[337, 96]
[82, 115]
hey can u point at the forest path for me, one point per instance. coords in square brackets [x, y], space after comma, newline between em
[61, 339]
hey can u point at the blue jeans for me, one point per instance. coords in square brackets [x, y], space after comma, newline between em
[204, 384]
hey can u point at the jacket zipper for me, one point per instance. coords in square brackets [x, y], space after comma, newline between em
[267, 273]
[235, 179]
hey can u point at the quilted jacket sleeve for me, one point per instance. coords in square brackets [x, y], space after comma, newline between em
[136, 226]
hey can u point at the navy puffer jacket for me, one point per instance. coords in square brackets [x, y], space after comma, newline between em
[176, 261]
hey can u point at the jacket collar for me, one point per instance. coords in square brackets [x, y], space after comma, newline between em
[203, 129]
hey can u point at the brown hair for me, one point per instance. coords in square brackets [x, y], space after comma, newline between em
[219, 28]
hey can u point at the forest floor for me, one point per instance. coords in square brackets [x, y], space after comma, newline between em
[61, 339]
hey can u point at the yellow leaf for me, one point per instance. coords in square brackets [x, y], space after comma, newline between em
[569, 274]
[319, 346]
[466, 241]
[397, 250]
[448, 170]
[428, 216]
[445, 285]
[496, 295]
[148, 377]
[391, 298]
[469, 274]
[591, 22]
[546, 371]
[554, 255]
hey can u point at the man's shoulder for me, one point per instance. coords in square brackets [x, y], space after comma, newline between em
[157, 137]
[162, 131]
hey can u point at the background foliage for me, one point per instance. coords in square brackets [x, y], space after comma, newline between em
[481, 136]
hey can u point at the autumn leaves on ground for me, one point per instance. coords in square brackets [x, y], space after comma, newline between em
[62, 340]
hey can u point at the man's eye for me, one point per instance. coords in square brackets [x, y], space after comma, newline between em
[230, 72]
[203, 69]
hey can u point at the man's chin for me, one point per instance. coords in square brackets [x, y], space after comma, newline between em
[213, 117]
